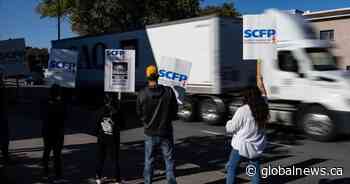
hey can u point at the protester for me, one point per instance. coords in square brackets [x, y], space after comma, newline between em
[110, 120]
[247, 126]
[4, 127]
[53, 131]
[157, 107]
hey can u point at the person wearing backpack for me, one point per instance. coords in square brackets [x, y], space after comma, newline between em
[247, 127]
[157, 107]
[110, 120]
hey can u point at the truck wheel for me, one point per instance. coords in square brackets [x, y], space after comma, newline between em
[211, 111]
[187, 110]
[317, 123]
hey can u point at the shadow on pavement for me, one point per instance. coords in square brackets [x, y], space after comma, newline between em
[336, 181]
[193, 154]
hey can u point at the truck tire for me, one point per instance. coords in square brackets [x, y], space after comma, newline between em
[212, 110]
[317, 123]
[187, 111]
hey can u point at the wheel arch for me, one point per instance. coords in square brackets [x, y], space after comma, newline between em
[304, 109]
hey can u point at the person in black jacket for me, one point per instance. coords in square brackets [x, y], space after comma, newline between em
[4, 127]
[53, 130]
[109, 123]
[157, 108]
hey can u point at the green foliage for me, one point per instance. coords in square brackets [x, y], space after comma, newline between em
[50, 8]
[101, 16]
[227, 9]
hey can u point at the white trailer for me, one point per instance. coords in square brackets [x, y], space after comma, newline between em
[303, 84]
[212, 44]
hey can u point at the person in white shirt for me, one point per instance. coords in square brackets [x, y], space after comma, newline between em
[247, 127]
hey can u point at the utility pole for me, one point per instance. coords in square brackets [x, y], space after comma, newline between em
[59, 19]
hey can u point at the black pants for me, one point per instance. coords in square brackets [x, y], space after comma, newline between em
[5, 150]
[108, 145]
[4, 139]
[55, 144]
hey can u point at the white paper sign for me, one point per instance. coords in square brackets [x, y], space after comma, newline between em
[62, 67]
[175, 72]
[259, 37]
[119, 70]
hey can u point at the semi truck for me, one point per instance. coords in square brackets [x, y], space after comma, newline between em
[304, 86]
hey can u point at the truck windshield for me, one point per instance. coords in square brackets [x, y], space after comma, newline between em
[322, 59]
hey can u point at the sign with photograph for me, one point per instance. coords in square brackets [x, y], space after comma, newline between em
[62, 67]
[119, 70]
[175, 73]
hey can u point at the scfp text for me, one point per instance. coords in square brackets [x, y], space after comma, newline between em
[172, 75]
[259, 33]
[70, 67]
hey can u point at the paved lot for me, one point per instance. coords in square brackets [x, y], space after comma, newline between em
[201, 151]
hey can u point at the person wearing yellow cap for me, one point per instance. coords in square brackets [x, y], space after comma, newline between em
[152, 73]
[157, 107]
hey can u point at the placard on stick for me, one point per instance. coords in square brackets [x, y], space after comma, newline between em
[119, 70]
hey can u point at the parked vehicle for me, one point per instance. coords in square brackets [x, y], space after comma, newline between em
[304, 86]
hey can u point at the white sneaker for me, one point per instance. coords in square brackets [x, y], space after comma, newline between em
[98, 181]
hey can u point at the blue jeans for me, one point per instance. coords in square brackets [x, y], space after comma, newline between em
[234, 162]
[167, 146]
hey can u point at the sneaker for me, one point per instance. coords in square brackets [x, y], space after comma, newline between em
[98, 181]
[120, 182]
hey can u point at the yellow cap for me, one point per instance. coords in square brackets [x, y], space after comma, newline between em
[151, 70]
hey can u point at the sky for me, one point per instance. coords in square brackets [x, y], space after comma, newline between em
[18, 18]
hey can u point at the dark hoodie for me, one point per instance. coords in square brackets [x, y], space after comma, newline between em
[157, 107]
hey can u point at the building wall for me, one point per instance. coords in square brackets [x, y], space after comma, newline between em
[341, 41]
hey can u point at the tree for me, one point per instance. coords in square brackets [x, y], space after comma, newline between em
[50, 8]
[94, 17]
[227, 9]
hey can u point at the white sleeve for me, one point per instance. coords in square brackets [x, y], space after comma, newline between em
[235, 123]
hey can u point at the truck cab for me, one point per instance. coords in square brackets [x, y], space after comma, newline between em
[305, 80]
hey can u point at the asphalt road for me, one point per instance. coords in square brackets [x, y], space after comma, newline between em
[201, 152]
